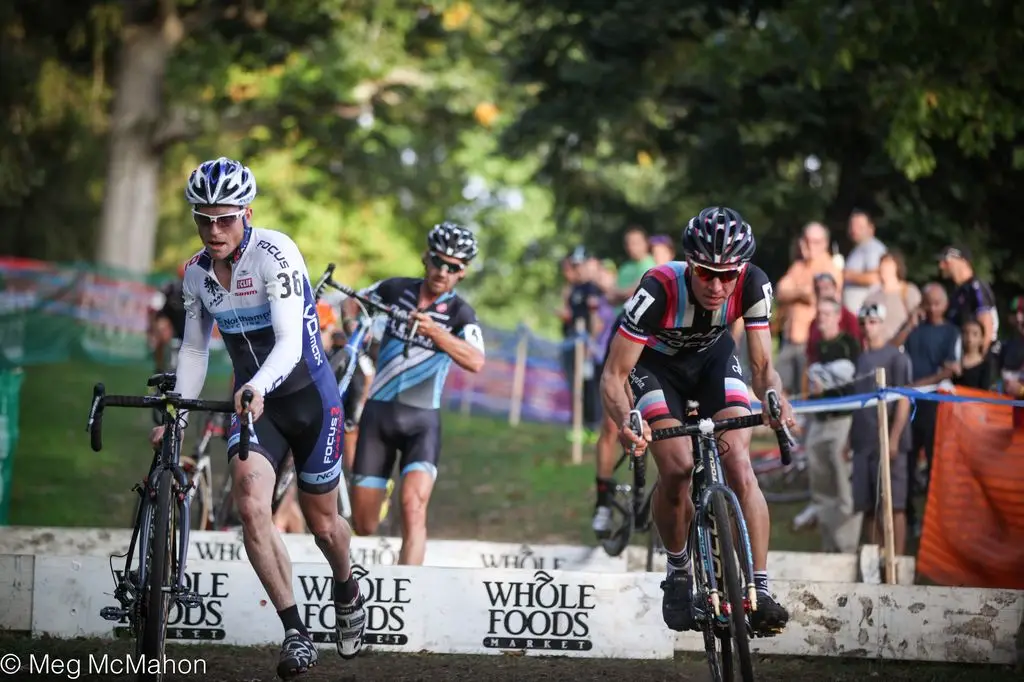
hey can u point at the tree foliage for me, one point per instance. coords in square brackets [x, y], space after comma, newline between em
[539, 124]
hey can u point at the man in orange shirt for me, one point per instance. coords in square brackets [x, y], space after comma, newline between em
[795, 296]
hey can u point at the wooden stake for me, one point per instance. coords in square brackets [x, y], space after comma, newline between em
[885, 469]
[519, 379]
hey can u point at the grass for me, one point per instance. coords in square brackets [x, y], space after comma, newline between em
[494, 482]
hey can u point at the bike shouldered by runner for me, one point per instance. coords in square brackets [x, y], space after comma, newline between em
[253, 283]
[674, 345]
[402, 410]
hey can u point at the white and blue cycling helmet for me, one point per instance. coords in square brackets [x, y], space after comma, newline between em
[222, 182]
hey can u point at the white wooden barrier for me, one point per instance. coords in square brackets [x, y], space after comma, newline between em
[489, 611]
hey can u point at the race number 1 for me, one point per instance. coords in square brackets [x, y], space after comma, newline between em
[638, 305]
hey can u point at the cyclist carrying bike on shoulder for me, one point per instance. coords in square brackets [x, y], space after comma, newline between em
[253, 282]
[402, 411]
[674, 345]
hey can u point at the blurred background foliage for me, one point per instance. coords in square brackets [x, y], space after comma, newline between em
[540, 124]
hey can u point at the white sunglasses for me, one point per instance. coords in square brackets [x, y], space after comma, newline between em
[222, 220]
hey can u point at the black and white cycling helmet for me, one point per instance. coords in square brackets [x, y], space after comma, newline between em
[450, 239]
[718, 237]
[221, 182]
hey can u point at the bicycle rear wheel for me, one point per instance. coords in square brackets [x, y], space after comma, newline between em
[734, 592]
[156, 595]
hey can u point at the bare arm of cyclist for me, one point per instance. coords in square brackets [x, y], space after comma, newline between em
[464, 344]
[757, 313]
[642, 315]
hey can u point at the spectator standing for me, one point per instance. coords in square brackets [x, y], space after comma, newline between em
[974, 369]
[662, 249]
[639, 261]
[862, 264]
[1011, 356]
[864, 443]
[930, 342]
[831, 375]
[795, 297]
[825, 287]
[900, 297]
[972, 298]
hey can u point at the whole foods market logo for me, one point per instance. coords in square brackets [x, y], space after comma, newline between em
[202, 622]
[524, 558]
[382, 553]
[386, 599]
[539, 614]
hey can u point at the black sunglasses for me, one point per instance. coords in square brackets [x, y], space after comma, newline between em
[443, 265]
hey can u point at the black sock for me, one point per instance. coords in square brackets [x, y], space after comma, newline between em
[345, 592]
[604, 491]
[291, 621]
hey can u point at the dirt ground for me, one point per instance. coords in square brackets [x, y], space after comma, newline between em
[258, 665]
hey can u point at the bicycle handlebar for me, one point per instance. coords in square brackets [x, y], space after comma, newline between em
[327, 280]
[101, 400]
[708, 426]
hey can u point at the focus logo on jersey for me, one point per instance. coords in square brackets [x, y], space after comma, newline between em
[333, 448]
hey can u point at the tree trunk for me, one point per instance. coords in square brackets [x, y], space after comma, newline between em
[131, 201]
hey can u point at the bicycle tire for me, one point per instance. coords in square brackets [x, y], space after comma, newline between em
[619, 536]
[734, 591]
[157, 599]
[653, 546]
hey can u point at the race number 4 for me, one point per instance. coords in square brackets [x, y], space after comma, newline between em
[638, 305]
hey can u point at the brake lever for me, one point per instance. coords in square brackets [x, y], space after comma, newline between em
[636, 425]
[775, 410]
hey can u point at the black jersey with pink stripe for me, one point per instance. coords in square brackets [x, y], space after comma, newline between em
[664, 316]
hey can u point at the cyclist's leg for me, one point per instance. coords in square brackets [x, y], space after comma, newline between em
[606, 455]
[253, 490]
[316, 436]
[374, 460]
[421, 447]
[355, 398]
[658, 398]
[723, 394]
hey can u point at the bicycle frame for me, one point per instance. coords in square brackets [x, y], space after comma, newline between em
[167, 457]
[708, 479]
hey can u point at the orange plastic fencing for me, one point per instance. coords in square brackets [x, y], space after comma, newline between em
[974, 520]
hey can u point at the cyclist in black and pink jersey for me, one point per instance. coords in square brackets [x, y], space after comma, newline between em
[674, 345]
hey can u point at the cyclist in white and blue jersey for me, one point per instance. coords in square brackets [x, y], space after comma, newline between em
[402, 412]
[253, 283]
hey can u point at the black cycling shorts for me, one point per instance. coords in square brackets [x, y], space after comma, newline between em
[353, 400]
[309, 423]
[661, 384]
[385, 429]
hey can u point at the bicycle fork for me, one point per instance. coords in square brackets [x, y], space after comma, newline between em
[706, 528]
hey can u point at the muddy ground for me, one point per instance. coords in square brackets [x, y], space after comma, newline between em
[257, 664]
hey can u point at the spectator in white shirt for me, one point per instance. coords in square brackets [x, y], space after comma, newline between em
[861, 272]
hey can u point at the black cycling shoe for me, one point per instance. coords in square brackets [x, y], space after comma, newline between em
[677, 602]
[298, 655]
[770, 618]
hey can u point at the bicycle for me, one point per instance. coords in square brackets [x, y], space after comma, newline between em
[162, 523]
[632, 502]
[713, 552]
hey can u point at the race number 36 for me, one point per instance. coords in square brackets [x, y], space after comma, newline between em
[638, 305]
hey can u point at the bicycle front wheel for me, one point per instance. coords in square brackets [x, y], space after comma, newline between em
[157, 595]
[734, 591]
